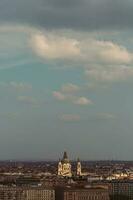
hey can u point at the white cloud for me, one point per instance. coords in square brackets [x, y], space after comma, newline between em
[82, 101]
[72, 48]
[54, 47]
[106, 52]
[71, 98]
[120, 73]
[87, 52]
[59, 96]
[70, 118]
[65, 44]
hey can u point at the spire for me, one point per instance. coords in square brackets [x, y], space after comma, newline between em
[65, 158]
[65, 155]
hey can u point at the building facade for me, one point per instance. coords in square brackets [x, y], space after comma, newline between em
[64, 166]
[122, 188]
[12, 193]
[26, 193]
[39, 194]
[86, 194]
[78, 172]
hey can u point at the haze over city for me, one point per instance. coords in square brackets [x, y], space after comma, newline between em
[66, 79]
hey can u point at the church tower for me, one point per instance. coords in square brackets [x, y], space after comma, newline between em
[78, 168]
[64, 166]
[59, 168]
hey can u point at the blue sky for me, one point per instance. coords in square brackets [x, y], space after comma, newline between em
[66, 79]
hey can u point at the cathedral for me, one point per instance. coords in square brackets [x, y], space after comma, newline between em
[64, 167]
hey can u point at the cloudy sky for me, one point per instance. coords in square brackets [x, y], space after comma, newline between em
[66, 79]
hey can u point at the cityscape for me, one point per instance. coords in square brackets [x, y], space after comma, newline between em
[66, 99]
[66, 180]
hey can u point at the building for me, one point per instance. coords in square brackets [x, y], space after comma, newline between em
[26, 193]
[39, 194]
[78, 173]
[64, 166]
[11, 193]
[122, 188]
[27, 181]
[83, 194]
[118, 189]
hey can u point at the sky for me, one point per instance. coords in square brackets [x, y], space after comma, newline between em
[66, 79]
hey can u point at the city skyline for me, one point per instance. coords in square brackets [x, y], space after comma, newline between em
[66, 79]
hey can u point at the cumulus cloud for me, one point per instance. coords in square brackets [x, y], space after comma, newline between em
[106, 52]
[70, 118]
[71, 98]
[82, 101]
[116, 60]
[66, 92]
[111, 74]
[84, 50]
[59, 96]
[54, 47]
[87, 52]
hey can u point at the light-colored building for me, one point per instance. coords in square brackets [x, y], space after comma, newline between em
[64, 166]
[122, 188]
[79, 173]
[26, 193]
[39, 194]
[86, 194]
[11, 193]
